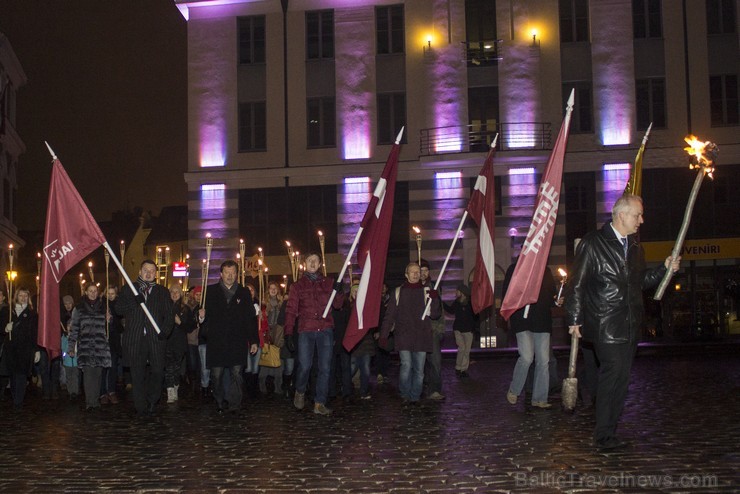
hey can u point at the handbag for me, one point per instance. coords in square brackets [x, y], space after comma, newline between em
[270, 356]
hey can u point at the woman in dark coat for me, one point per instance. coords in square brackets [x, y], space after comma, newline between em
[20, 351]
[89, 342]
[177, 343]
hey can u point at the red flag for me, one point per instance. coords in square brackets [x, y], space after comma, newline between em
[482, 209]
[372, 253]
[71, 234]
[527, 278]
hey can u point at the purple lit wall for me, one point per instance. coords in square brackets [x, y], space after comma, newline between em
[355, 80]
[212, 86]
[613, 71]
[447, 73]
[519, 78]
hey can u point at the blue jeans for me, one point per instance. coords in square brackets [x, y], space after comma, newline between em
[363, 364]
[532, 346]
[205, 372]
[323, 342]
[288, 366]
[253, 363]
[411, 376]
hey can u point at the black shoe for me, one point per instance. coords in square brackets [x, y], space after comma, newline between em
[464, 374]
[611, 443]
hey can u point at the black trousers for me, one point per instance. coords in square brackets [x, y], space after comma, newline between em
[614, 374]
[146, 382]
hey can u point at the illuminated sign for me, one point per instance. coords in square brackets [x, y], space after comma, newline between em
[695, 250]
[179, 269]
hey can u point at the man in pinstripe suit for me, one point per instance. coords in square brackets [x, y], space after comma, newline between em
[142, 346]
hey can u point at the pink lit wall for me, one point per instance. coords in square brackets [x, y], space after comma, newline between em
[613, 71]
[355, 80]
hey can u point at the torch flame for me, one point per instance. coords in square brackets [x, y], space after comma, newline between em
[703, 154]
[416, 229]
[562, 272]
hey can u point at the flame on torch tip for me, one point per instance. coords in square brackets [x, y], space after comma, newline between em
[208, 235]
[320, 233]
[562, 272]
[241, 240]
[287, 243]
[80, 275]
[89, 264]
[10, 246]
[38, 254]
[416, 229]
[704, 152]
[259, 249]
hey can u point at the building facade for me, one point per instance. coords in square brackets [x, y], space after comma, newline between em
[12, 77]
[293, 107]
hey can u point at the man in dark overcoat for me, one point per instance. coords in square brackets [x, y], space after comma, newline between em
[143, 348]
[229, 323]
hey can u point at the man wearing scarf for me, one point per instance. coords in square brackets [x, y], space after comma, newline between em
[142, 345]
[229, 324]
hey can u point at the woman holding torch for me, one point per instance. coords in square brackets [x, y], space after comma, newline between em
[20, 352]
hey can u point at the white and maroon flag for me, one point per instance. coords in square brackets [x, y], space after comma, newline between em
[372, 252]
[526, 281]
[482, 208]
[71, 234]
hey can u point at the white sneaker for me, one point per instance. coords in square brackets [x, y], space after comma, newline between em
[177, 391]
[380, 378]
[437, 396]
[171, 397]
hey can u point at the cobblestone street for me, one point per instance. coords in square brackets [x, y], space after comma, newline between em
[681, 416]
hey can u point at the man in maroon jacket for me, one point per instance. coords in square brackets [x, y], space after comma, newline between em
[308, 299]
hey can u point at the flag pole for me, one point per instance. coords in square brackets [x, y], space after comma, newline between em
[379, 191]
[120, 267]
[131, 285]
[452, 247]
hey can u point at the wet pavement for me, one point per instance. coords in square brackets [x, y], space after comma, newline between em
[681, 417]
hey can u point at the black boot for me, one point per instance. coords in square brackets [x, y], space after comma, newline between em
[205, 395]
[288, 390]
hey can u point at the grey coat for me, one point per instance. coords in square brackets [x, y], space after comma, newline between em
[88, 333]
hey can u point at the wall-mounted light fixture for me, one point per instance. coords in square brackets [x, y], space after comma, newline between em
[427, 48]
[535, 41]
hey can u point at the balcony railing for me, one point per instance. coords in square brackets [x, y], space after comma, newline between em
[478, 137]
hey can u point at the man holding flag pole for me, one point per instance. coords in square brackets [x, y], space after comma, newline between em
[71, 234]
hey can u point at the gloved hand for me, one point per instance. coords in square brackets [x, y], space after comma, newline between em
[433, 294]
[338, 287]
[290, 342]
[36, 357]
[139, 298]
[9, 327]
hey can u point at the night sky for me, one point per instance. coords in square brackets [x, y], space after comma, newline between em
[107, 87]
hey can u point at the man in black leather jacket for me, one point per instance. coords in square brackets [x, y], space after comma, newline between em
[604, 305]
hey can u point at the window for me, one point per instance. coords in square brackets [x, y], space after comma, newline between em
[251, 39]
[321, 122]
[723, 100]
[573, 20]
[720, 16]
[320, 35]
[646, 19]
[579, 189]
[582, 117]
[480, 31]
[389, 29]
[252, 127]
[391, 117]
[651, 107]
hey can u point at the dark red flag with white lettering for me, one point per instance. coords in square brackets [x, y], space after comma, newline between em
[526, 281]
[71, 234]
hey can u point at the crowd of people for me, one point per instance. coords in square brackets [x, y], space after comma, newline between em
[218, 343]
[223, 340]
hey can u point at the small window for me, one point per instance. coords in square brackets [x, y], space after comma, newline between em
[321, 122]
[723, 101]
[251, 39]
[573, 20]
[252, 127]
[320, 35]
[651, 107]
[390, 31]
[647, 19]
[721, 16]
[582, 118]
[391, 117]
